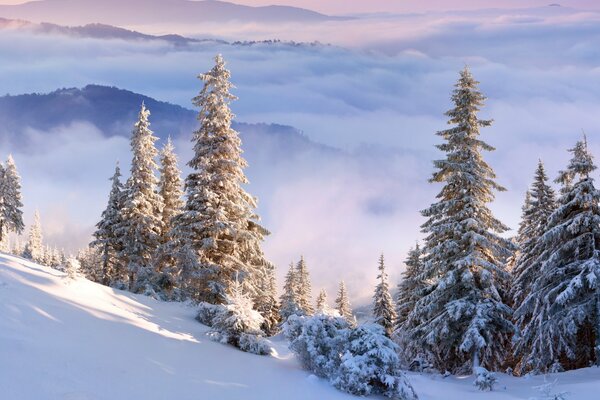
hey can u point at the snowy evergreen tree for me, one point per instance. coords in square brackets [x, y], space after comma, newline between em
[18, 249]
[383, 304]
[539, 205]
[322, 306]
[11, 216]
[410, 289]
[342, 304]
[72, 268]
[218, 234]
[267, 305]
[142, 206]
[108, 237]
[463, 319]
[562, 307]
[34, 249]
[170, 189]
[303, 288]
[289, 304]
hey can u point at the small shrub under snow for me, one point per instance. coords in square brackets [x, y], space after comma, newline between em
[360, 361]
[206, 313]
[235, 323]
[371, 365]
[485, 380]
[255, 344]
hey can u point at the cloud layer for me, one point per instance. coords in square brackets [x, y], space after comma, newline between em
[379, 102]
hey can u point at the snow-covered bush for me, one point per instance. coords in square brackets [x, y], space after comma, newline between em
[370, 365]
[255, 344]
[485, 380]
[235, 322]
[421, 363]
[360, 361]
[318, 342]
[556, 367]
[206, 313]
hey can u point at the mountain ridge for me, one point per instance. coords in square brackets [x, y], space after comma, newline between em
[132, 12]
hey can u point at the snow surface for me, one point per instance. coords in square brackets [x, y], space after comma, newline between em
[77, 340]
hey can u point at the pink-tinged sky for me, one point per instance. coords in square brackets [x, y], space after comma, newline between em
[368, 6]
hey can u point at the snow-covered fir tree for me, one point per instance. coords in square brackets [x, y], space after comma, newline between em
[540, 203]
[410, 289]
[34, 249]
[108, 237]
[11, 215]
[170, 189]
[142, 206]
[18, 248]
[289, 304]
[383, 304]
[322, 306]
[464, 321]
[562, 306]
[90, 260]
[303, 288]
[218, 234]
[267, 305]
[342, 304]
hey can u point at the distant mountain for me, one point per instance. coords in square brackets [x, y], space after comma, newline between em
[103, 31]
[129, 12]
[114, 111]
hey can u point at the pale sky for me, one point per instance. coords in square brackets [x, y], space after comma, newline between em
[369, 6]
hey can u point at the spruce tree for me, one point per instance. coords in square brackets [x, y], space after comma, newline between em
[11, 216]
[142, 224]
[342, 304]
[34, 249]
[303, 287]
[410, 289]
[170, 189]
[218, 234]
[322, 306]
[539, 205]
[383, 304]
[562, 308]
[266, 304]
[108, 237]
[289, 304]
[463, 319]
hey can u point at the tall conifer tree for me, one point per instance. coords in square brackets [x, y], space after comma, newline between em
[218, 234]
[342, 304]
[562, 308]
[303, 287]
[11, 215]
[383, 304]
[142, 223]
[108, 239]
[464, 320]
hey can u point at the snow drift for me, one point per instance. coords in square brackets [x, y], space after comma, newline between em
[64, 338]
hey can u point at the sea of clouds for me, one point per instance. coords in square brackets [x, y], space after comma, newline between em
[378, 95]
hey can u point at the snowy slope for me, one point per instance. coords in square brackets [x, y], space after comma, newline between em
[62, 339]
